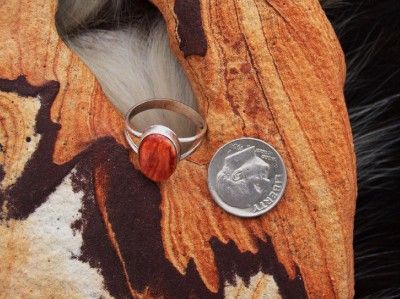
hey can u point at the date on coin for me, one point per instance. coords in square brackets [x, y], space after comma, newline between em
[247, 177]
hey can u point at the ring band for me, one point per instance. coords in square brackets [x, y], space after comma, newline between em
[159, 148]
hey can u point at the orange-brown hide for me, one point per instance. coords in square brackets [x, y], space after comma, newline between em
[270, 69]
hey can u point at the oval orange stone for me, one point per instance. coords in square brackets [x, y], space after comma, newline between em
[157, 157]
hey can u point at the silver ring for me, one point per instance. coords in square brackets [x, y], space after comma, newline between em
[159, 148]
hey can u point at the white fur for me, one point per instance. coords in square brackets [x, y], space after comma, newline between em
[132, 66]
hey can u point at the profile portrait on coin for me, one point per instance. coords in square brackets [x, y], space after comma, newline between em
[243, 178]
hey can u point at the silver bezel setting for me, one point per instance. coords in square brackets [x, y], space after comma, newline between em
[171, 105]
[163, 131]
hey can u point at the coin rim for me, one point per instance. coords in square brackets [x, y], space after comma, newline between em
[237, 211]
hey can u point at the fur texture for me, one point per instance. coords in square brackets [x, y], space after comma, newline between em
[127, 48]
[132, 63]
[369, 32]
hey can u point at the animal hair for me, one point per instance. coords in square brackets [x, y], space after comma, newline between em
[369, 32]
[132, 63]
[126, 47]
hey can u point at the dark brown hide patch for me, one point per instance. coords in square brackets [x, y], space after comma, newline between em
[40, 176]
[133, 207]
[2, 173]
[96, 248]
[190, 28]
[231, 262]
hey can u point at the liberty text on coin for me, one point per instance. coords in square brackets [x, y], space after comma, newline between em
[247, 177]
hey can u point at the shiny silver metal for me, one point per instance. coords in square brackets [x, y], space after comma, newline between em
[171, 105]
[247, 177]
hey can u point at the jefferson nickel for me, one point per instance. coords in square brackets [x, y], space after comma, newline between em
[247, 177]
